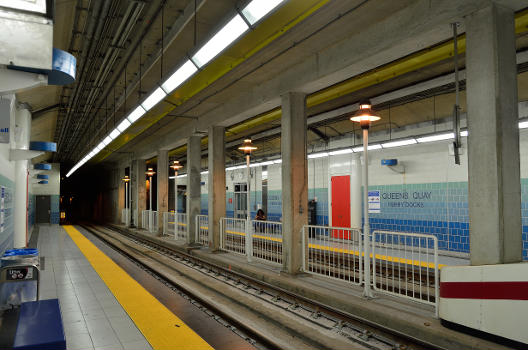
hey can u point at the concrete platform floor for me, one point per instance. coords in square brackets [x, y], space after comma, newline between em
[92, 317]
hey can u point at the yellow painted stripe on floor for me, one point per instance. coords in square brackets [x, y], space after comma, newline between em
[350, 252]
[161, 328]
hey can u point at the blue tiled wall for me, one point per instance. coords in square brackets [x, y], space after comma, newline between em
[439, 209]
[55, 209]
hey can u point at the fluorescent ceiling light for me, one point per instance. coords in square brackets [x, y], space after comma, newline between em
[205, 172]
[156, 96]
[257, 9]
[370, 148]
[277, 161]
[136, 114]
[398, 143]
[184, 175]
[230, 168]
[225, 36]
[317, 155]
[107, 140]
[523, 125]
[464, 133]
[96, 149]
[438, 137]
[341, 151]
[124, 125]
[115, 133]
[183, 73]
[101, 145]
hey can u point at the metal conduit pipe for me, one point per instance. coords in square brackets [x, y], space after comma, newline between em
[123, 32]
[96, 18]
[97, 42]
[175, 29]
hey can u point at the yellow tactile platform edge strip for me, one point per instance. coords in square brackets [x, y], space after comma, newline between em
[161, 328]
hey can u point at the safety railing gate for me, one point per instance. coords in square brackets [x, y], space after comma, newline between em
[233, 235]
[406, 265]
[153, 221]
[168, 223]
[180, 228]
[145, 217]
[266, 240]
[333, 252]
[202, 229]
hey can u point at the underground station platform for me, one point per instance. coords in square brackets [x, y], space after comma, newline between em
[263, 174]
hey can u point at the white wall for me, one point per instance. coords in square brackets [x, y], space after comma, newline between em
[53, 185]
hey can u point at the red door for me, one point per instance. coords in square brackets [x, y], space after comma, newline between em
[341, 205]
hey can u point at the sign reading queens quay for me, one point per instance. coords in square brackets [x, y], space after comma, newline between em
[406, 199]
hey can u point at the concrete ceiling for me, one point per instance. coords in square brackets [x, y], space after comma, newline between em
[341, 40]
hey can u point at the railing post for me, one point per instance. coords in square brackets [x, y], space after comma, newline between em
[304, 249]
[249, 241]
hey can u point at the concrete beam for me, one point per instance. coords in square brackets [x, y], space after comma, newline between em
[493, 142]
[294, 179]
[409, 30]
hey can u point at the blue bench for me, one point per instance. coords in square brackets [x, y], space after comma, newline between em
[40, 326]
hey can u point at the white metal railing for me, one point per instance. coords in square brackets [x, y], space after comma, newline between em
[145, 215]
[406, 265]
[233, 235]
[135, 216]
[266, 240]
[180, 231]
[123, 215]
[176, 228]
[153, 221]
[168, 223]
[333, 252]
[202, 229]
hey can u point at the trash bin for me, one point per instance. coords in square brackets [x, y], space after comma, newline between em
[19, 276]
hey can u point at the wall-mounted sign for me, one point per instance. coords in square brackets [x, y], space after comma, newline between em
[374, 202]
[5, 120]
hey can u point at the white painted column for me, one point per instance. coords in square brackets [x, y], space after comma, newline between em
[294, 179]
[493, 141]
[194, 145]
[355, 191]
[22, 135]
[216, 184]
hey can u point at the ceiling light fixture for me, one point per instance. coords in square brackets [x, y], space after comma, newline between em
[398, 143]
[136, 114]
[438, 137]
[257, 9]
[153, 99]
[177, 78]
[222, 39]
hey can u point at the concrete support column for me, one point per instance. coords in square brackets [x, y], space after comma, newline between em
[493, 141]
[120, 195]
[216, 184]
[22, 136]
[163, 186]
[132, 192]
[294, 179]
[355, 192]
[193, 185]
[140, 190]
